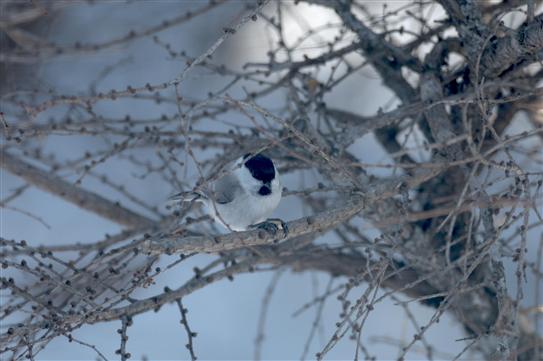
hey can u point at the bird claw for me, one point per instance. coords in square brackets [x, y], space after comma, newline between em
[272, 225]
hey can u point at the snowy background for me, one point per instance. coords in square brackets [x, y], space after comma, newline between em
[225, 314]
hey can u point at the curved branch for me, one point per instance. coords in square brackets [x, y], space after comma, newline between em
[82, 198]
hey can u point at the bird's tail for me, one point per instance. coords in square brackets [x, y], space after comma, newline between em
[191, 196]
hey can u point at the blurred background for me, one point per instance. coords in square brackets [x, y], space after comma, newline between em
[225, 314]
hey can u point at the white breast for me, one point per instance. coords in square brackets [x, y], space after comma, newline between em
[247, 209]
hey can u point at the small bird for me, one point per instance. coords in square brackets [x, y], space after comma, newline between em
[245, 197]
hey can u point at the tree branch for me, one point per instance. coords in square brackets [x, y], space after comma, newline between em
[84, 199]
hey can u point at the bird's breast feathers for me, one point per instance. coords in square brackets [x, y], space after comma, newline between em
[247, 208]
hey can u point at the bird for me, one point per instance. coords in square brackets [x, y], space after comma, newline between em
[244, 197]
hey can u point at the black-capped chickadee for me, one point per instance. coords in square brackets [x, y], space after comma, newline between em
[245, 196]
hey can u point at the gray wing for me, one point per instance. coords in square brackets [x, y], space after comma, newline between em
[226, 189]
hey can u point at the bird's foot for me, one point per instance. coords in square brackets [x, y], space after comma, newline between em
[272, 225]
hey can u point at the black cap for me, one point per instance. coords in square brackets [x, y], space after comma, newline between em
[261, 167]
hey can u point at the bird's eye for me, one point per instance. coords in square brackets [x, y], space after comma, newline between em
[247, 155]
